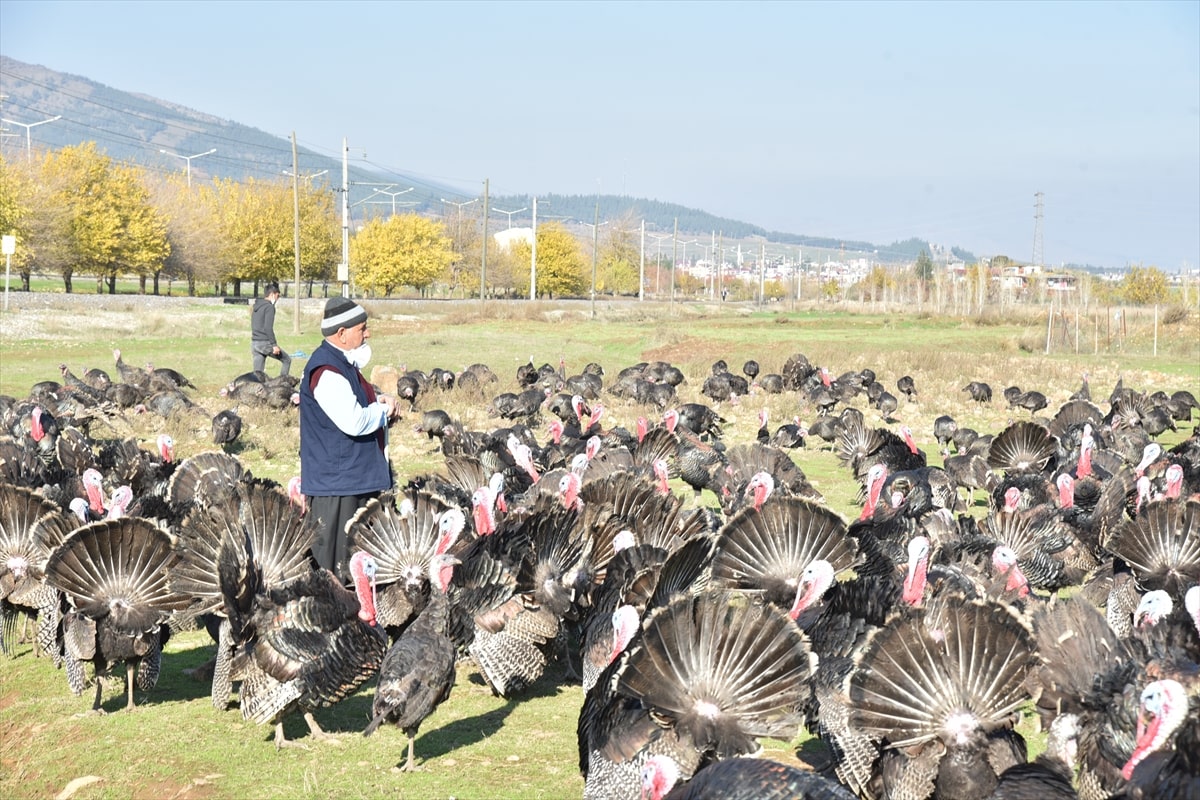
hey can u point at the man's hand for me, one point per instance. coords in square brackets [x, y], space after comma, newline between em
[393, 410]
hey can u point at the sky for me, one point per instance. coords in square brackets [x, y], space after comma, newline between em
[856, 120]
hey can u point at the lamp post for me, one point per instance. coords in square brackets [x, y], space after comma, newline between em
[658, 238]
[188, 159]
[509, 213]
[29, 126]
[291, 174]
[533, 257]
[394, 195]
[595, 226]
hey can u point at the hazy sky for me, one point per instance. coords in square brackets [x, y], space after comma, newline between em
[868, 121]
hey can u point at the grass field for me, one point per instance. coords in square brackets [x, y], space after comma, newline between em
[475, 745]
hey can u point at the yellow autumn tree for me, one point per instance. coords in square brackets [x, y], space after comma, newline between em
[404, 250]
[560, 263]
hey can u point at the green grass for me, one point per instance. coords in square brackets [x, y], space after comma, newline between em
[475, 745]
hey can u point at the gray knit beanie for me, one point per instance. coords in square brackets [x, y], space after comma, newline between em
[341, 313]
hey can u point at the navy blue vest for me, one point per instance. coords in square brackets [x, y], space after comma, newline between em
[333, 464]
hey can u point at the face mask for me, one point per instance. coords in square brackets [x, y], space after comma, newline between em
[359, 356]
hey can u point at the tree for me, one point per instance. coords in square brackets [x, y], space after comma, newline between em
[107, 223]
[923, 268]
[405, 250]
[618, 270]
[193, 230]
[144, 245]
[16, 193]
[560, 263]
[1144, 286]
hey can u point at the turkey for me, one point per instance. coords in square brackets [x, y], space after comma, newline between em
[131, 375]
[115, 575]
[279, 536]
[512, 642]
[737, 779]
[939, 693]
[305, 644]
[31, 527]
[907, 387]
[226, 427]
[1162, 545]
[699, 419]
[1165, 713]
[980, 392]
[418, 671]
[709, 674]
[402, 541]
[1088, 675]
[770, 550]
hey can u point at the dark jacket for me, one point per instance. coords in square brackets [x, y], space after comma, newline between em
[262, 324]
[333, 464]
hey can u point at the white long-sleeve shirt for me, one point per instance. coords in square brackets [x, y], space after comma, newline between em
[335, 396]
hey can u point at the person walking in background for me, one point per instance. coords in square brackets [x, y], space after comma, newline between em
[343, 431]
[262, 332]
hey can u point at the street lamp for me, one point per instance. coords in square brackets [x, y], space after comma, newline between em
[188, 159]
[658, 238]
[394, 195]
[29, 126]
[595, 226]
[509, 213]
[291, 174]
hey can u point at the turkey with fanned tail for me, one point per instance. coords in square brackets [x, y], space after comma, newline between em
[30, 528]
[279, 536]
[402, 541]
[305, 644]
[115, 576]
[707, 676]
[940, 693]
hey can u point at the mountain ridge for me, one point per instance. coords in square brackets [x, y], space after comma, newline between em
[157, 134]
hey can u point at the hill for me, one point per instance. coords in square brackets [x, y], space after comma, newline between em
[161, 136]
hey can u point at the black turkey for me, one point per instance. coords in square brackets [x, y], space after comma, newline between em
[737, 779]
[939, 693]
[279, 536]
[226, 427]
[709, 675]
[980, 392]
[402, 541]
[303, 645]
[418, 670]
[31, 527]
[115, 575]
[1166, 716]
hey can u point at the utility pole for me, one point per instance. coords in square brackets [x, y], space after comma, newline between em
[642, 268]
[762, 259]
[1037, 229]
[344, 267]
[29, 126]
[674, 260]
[595, 244]
[533, 256]
[296, 222]
[483, 247]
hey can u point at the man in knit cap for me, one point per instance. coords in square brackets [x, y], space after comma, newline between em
[343, 431]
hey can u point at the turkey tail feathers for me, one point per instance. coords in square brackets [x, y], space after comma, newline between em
[722, 669]
[1162, 545]
[1021, 447]
[118, 564]
[784, 536]
[946, 674]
